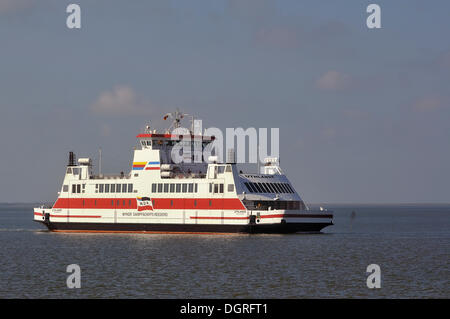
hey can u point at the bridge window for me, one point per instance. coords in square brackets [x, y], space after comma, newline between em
[230, 188]
[65, 188]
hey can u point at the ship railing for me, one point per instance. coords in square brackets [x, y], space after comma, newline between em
[119, 176]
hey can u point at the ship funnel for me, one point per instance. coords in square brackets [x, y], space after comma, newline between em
[71, 159]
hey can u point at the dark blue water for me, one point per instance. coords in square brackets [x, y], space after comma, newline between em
[411, 244]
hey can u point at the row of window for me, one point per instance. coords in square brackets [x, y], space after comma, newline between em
[175, 188]
[269, 187]
[113, 188]
[277, 204]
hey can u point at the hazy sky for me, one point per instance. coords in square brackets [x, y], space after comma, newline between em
[364, 115]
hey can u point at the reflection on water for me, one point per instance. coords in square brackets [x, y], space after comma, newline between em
[410, 243]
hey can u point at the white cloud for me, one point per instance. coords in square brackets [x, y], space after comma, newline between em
[14, 5]
[427, 104]
[333, 80]
[122, 100]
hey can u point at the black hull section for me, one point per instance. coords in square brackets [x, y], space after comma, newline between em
[283, 228]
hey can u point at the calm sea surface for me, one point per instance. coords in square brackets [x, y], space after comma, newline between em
[411, 244]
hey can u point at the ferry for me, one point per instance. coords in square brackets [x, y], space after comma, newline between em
[160, 196]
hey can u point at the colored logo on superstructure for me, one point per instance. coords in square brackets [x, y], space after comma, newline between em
[144, 203]
[139, 166]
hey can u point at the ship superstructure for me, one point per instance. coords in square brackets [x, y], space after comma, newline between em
[158, 195]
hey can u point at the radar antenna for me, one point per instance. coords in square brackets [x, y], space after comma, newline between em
[176, 117]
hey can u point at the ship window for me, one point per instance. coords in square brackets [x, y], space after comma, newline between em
[291, 189]
[153, 188]
[184, 187]
[112, 203]
[283, 188]
[220, 169]
[65, 188]
[95, 202]
[106, 188]
[118, 188]
[253, 186]
[216, 188]
[160, 187]
[231, 187]
[78, 188]
[118, 202]
[124, 188]
[191, 188]
[288, 189]
[143, 143]
[195, 203]
[129, 202]
[228, 169]
[75, 171]
[166, 188]
[221, 188]
[101, 188]
[123, 203]
[149, 143]
[280, 188]
[262, 190]
[210, 202]
[272, 188]
[256, 186]
[248, 187]
[196, 187]
[171, 203]
[178, 188]
[113, 188]
[130, 188]
[210, 187]
[172, 188]
[69, 170]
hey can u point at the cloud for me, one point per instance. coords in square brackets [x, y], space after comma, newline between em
[7, 6]
[122, 100]
[282, 37]
[427, 104]
[333, 80]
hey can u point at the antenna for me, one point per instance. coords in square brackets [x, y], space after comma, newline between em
[177, 116]
[100, 161]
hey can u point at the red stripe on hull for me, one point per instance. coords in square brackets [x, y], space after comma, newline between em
[158, 203]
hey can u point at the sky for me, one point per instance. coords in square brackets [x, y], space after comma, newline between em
[364, 114]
